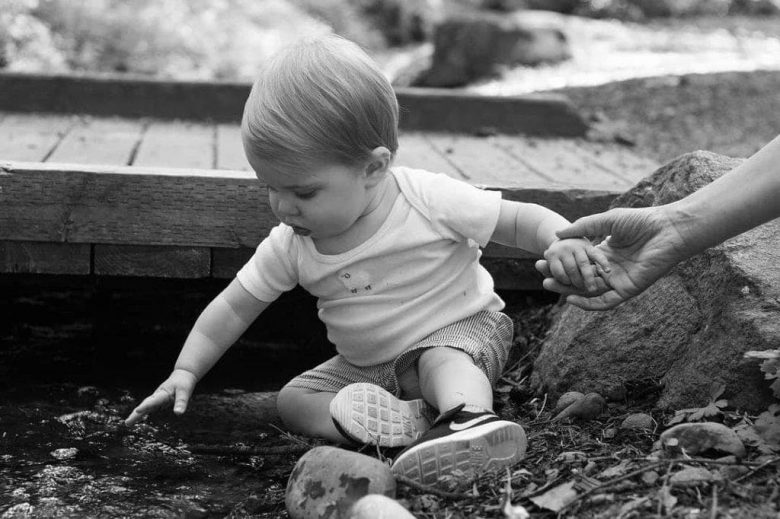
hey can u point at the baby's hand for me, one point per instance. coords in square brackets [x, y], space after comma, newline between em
[177, 388]
[576, 262]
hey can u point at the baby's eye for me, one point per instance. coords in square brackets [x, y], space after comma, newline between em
[306, 195]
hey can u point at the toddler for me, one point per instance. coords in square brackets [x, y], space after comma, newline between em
[392, 254]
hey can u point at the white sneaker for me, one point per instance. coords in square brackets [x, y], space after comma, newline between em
[366, 413]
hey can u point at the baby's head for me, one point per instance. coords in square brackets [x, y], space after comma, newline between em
[319, 101]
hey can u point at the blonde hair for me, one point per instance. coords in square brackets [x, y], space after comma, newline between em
[320, 101]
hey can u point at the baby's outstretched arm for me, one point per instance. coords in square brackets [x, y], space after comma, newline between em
[532, 227]
[218, 327]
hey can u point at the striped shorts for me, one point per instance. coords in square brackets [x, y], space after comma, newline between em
[485, 336]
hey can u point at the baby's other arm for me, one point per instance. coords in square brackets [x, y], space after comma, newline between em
[219, 326]
[532, 228]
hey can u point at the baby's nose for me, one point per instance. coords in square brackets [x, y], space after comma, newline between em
[285, 207]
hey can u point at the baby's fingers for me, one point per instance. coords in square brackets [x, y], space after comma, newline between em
[574, 271]
[558, 272]
[150, 403]
[597, 256]
[587, 269]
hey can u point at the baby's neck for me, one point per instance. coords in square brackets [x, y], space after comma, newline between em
[375, 214]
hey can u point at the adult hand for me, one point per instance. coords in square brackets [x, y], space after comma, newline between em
[177, 388]
[641, 245]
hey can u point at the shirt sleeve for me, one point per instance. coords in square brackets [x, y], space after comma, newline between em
[461, 211]
[271, 270]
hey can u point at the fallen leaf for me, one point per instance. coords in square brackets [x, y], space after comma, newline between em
[556, 498]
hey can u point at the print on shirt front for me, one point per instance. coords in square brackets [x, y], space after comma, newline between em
[356, 281]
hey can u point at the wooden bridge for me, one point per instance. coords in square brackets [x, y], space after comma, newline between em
[112, 176]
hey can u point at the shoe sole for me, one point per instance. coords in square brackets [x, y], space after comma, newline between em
[369, 414]
[475, 451]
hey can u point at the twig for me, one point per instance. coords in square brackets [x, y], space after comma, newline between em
[432, 490]
[714, 509]
[544, 403]
[756, 469]
[616, 480]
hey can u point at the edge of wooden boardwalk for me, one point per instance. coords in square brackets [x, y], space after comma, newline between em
[421, 108]
[130, 221]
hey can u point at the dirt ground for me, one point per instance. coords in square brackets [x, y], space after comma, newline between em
[731, 113]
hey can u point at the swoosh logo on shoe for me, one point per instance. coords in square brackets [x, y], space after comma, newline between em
[471, 423]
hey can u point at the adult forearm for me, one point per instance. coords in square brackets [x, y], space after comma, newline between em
[739, 200]
[215, 331]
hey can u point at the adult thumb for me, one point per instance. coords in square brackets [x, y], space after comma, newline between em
[591, 226]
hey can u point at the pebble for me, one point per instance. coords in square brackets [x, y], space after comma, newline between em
[692, 475]
[697, 438]
[378, 506]
[588, 407]
[65, 454]
[638, 421]
[327, 481]
[567, 399]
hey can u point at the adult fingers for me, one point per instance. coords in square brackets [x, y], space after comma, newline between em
[553, 285]
[593, 225]
[149, 404]
[604, 301]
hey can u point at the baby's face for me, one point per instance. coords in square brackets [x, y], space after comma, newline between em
[322, 203]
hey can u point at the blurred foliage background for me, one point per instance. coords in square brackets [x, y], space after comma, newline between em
[226, 39]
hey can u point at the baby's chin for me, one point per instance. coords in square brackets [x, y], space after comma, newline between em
[301, 231]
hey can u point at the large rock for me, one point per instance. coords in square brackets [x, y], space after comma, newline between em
[475, 45]
[327, 481]
[687, 331]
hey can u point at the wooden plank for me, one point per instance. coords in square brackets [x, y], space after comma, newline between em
[128, 205]
[226, 262]
[482, 163]
[230, 151]
[155, 206]
[152, 261]
[421, 108]
[177, 144]
[415, 151]
[557, 160]
[615, 159]
[32, 137]
[110, 141]
[31, 257]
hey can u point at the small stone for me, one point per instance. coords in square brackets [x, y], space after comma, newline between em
[695, 438]
[327, 481]
[692, 475]
[20, 511]
[378, 506]
[650, 477]
[65, 454]
[588, 407]
[567, 399]
[638, 421]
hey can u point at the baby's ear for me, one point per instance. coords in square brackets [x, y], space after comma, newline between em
[378, 163]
